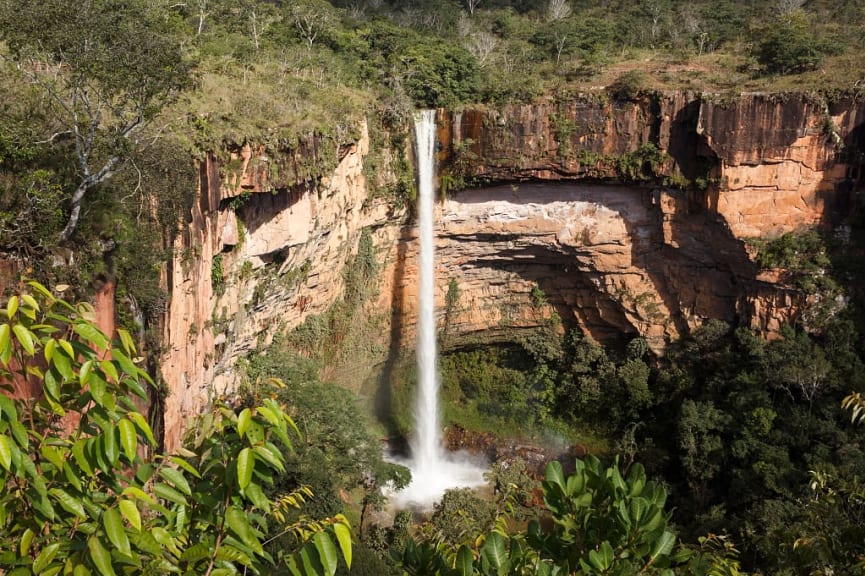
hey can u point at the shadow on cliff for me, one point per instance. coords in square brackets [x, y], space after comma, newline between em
[383, 399]
[701, 269]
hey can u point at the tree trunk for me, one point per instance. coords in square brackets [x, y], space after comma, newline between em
[75, 213]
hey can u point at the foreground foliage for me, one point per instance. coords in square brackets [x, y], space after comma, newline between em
[602, 522]
[79, 496]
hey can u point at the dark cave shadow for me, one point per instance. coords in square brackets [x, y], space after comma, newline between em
[383, 399]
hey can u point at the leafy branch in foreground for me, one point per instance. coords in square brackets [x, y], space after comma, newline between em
[77, 494]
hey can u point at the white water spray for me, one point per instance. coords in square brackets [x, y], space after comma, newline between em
[432, 470]
[426, 445]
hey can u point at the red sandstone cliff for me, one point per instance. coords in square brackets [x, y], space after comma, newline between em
[583, 214]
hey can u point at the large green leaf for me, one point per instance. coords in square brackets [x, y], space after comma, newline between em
[602, 558]
[5, 453]
[128, 438]
[68, 502]
[243, 420]
[100, 556]
[239, 525]
[126, 341]
[267, 454]
[92, 335]
[176, 477]
[26, 540]
[12, 307]
[663, 546]
[45, 556]
[24, 337]
[129, 510]
[245, 467]
[465, 562]
[554, 474]
[143, 426]
[343, 536]
[113, 523]
[5, 344]
[166, 492]
[326, 552]
[495, 551]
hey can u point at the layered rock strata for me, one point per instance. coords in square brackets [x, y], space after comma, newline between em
[573, 207]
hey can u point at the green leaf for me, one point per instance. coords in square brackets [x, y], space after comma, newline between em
[115, 530]
[91, 335]
[51, 387]
[24, 337]
[53, 455]
[100, 556]
[12, 307]
[238, 523]
[64, 366]
[72, 476]
[245, 466]
[268, 456]
[48, 351]
[554, 473]
[128, 438]
[256, 495]
[126, 341]
[602, 558]
[108, 444]
[5, 453]
[110, 370]
[495, 551]
[663, 546]
[67, 347]
[243, 420]
[78, 451]
[166, 492]
[84, 372]
[68, 502]
[465, 562]
[26, 540]
[81, 570]
[7, 406]
[30, 301]
[5, 344]
[19, 432]
[130, 511]
[143, 426]
[342, 529]
[232, 554]
[46, 555]
[326, 552]
[126, 365]
[176, 477]
[185, 465]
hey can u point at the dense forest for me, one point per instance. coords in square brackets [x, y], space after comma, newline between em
[729, 454]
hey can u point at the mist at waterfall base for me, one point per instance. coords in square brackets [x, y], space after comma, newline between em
[433, 470]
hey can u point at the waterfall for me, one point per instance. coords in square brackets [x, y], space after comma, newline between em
[426, 446]
[433, 471]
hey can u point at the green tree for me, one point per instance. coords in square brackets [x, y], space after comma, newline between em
[78, 495]
[789, 45]
[106, 66]
[602, 523]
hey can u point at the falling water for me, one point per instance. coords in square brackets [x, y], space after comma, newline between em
[426, 447]
[433, 471]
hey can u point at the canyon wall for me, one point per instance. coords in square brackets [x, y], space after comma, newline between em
[625, 218]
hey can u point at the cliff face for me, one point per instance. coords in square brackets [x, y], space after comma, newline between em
[568, 207]
[258, 256]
